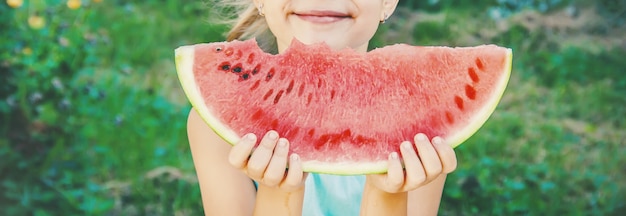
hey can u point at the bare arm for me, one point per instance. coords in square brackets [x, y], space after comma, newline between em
[426, 199]
[225, 190]
[224, 174]
[277, 202]
[379, 202]
[421, 201]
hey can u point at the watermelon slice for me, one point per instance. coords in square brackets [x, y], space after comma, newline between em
[344, 111]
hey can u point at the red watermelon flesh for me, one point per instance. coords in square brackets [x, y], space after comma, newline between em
[343, 111]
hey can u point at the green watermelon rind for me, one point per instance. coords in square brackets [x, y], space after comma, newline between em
[184, 59]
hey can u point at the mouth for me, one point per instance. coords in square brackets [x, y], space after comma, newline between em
[322, 16]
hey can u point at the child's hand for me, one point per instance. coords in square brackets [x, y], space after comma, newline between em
[267, 165]
[420, 168]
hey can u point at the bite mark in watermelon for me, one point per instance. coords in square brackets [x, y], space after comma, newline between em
[344, 111]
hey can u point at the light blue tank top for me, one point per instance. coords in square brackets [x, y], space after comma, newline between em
[329, 195]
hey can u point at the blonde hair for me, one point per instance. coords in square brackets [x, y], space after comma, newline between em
[245, 22]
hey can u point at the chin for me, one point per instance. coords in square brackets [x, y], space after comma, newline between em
[330, 41]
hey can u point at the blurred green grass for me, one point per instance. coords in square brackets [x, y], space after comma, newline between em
[93, 118]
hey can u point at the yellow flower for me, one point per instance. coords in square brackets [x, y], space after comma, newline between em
[36, 22]
[27, 51]
[15, 3]
[73, 4]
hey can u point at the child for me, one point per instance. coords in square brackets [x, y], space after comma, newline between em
[234, 180]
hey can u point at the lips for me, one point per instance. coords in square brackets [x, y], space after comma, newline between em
[322, 16]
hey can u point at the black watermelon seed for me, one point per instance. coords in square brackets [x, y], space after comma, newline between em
[225, 66]
[237, 68]
[245, 76]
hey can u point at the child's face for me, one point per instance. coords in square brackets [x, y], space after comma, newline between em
[339, 23]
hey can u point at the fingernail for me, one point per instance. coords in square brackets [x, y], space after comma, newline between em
[249, 137]
[421, 137]
[282, 143]
[294, 157]
[272, 135]
[407, 145]
[437, 140]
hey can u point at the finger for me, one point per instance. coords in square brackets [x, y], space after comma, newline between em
[395, 173]
[239, 154]
[415, 174]
[429, 157]
[295, 175]
[275, 171]
[261, 156]
[446, 155]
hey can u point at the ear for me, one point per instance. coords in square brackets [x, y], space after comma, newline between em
[389, 6]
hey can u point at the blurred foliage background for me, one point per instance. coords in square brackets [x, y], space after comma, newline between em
[93, 118]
